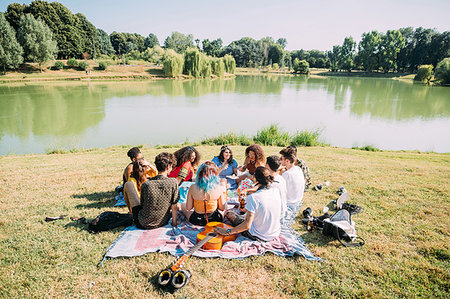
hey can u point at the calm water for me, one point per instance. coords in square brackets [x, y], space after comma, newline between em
[350, 112]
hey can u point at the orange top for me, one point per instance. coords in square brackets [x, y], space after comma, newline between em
[199, 205]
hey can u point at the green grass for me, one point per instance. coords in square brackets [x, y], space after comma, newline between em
[229, 138]
[368, 148]
[405, 198]
[272, 135]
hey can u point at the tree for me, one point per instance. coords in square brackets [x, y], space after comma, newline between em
[212, 48]
[173, 63]
[333, 56]
[439, 48]
[13, 14]
[246, 52]
[154, 55]
[424, 73]
[179, 42]
[422, 44]
[88, 34]
[230, 63]
[10, 50]
[105, 46]
[64, 26]
[404, 56]
[276, 53]
[151, 41]
[36, 40]
[391, 44]
[119, 42]
[368, 50]
[442, 73]
[264, 44]
[301, 66]
[282, 42]
[347, 53]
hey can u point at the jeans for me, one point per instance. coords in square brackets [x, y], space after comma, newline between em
[291, 213]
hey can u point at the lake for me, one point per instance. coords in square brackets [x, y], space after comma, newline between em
[385, 113]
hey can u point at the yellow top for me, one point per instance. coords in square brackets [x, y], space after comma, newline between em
[199, 206]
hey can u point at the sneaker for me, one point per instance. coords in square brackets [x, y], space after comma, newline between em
[351, 208]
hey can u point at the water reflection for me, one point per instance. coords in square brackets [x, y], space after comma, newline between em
[49, 109]
[385, 98]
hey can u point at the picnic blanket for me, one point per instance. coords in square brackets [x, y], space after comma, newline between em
[135, 242]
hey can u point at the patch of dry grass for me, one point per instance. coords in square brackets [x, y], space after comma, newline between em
[404, 195]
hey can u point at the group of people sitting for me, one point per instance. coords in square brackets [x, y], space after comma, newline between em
[278, 182]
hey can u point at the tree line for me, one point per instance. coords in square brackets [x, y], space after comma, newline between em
[404, 49]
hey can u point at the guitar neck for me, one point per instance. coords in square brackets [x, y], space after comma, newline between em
[201, 243]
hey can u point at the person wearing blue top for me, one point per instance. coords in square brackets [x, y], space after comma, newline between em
[226, 164]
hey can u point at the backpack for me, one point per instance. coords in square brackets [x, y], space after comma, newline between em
[341, 227]
[109, 220]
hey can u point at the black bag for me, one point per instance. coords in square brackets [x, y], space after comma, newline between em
[109, 220]
[341, 227]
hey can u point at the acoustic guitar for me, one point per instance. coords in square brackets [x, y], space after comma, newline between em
[216, 242]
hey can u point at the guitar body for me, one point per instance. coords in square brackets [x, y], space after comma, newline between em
[216, 242]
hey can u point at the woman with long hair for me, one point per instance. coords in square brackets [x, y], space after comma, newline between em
[187, 160]
[227, 165]
[205, 198]
[263, 211]
[138, 176]
[254, 157]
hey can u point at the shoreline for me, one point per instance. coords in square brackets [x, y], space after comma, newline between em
[152, 72]
[161, 147]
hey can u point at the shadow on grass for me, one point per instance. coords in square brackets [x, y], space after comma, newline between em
[153, 280]
[98, 200]
[317, 238]
[96, 196]
[156, 72]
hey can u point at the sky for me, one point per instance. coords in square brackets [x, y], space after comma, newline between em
[308, 25]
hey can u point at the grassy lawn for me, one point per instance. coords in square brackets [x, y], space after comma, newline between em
[405, 198]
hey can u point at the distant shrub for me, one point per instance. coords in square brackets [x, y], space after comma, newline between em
[230, 64]
[102, 65]
[217, 67]
[230, 138]
[83, 65]
[424, 73]
[443, 71]
[301, 66]
[276, 66]
[272, 135]
[59, 65]
[306, 138]
[72, 62]
[173, 63]
[368, 148]
[196, 63]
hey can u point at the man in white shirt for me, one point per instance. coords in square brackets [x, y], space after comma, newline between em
[273, 164]
[295, 182]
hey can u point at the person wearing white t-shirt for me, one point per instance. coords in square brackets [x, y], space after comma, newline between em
[273, 164]
[295, 182]
[263, 212]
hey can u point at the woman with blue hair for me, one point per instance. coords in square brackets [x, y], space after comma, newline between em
[206, 197]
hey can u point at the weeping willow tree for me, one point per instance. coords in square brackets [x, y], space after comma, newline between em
[230, 64]
[196, 63]
[173, 63]
[206, 67]
[218, 67]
